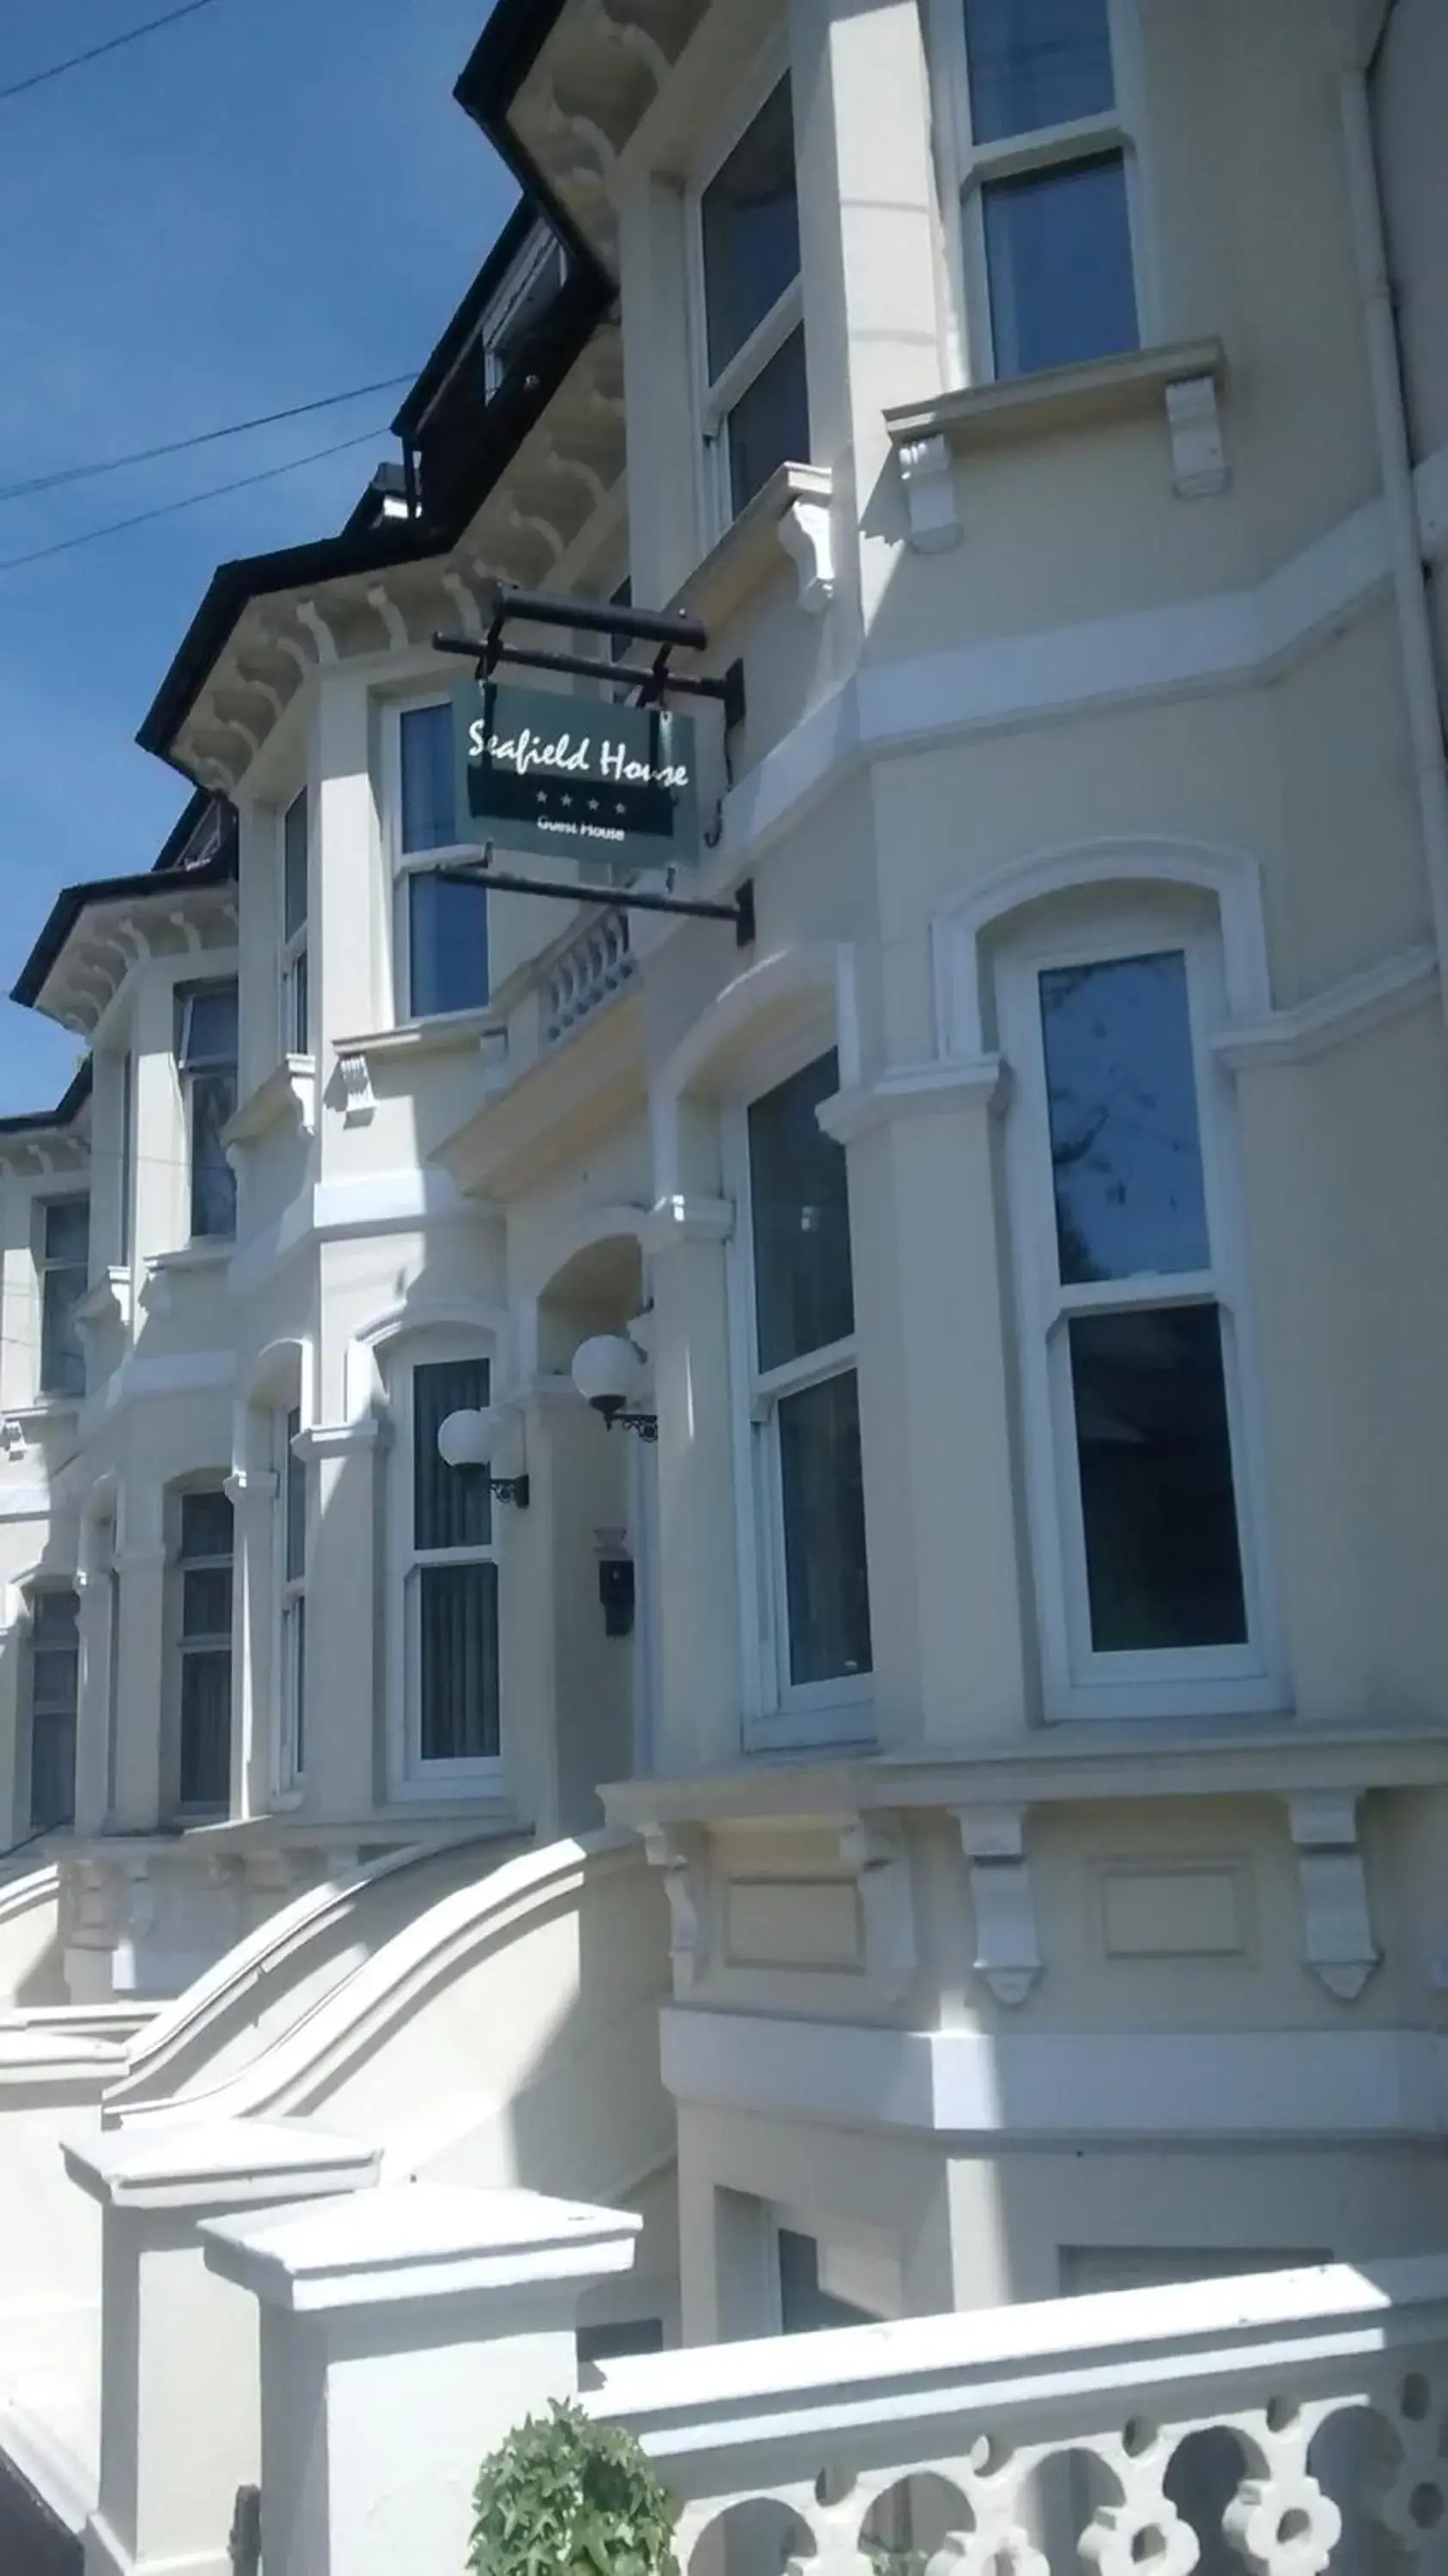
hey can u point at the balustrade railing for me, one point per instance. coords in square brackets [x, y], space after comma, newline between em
[1287, 2422]
[588, 973]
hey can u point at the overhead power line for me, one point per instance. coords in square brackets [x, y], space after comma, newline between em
[191, 501]
[203, 438]
[112, 45]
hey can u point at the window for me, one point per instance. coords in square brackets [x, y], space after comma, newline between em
[756, 406]
[292, 1481]
[1133, 1330]
[1046, 173]
[512, 325]
[206, 1062]
[805, 1407]
[127, 1157]
[442, 930]
[54, 1684]
[204, 1568]
[805, 2307]
[450, 1581]
[64, 1271]
[296, 862]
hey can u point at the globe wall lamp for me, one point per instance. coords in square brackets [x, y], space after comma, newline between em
[608, 1373]
[469, 1440]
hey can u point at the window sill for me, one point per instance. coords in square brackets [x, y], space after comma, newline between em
[1182, 379]
[204, 1258]
[450, 1033]
[790, 512]
[289, 1091]
[108, 1301]
[23, 1421]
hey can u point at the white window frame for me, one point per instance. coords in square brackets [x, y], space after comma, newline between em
[537, 254]
[969, 167]
[293, 946]
[291, 1598]
[410, 1777]
[716, 397]
[780, 1715]
[1078, 1681]
[403, 865]
[206, 1642]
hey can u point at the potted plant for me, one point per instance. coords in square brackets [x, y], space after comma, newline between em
[565, 2494]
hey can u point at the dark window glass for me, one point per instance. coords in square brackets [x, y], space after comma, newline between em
[205, 1730]
[1163, 1557]
[1126, 1155]
[750, 221]
[128, 1152]
[614, 2342]
[801, 1215]
[448, 945]
[206, 1605]
[769, 425]
[54, 1684]
[804, 2307]
[65, 1268]
[1058, 253]
[206, 1042]
[451, 1506]
[429, 793]
[297, 1616]
[1035, 63]
[299, 1005]
[458, 1614]
[295, 1505]
[294, 870]
[206, 1524]
[208, 1026]
[822, 1493]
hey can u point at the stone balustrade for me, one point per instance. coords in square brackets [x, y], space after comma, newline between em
[588, 973]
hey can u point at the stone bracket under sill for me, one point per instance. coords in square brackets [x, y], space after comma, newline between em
[451, 1033]
[1184, 379]
[288, 1091]
[108, 1300]
[162, 1268]
[792, 511]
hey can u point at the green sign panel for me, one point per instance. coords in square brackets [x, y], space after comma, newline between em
[614, 788]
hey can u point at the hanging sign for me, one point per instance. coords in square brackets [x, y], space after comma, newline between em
[613, 787]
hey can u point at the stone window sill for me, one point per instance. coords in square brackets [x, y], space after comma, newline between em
[791, 511]
[288, 1091]
[1183, 379]
[452, 1032]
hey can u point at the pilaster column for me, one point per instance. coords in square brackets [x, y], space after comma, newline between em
[253, 1492]
[14, 1756]
[342, 1577]
[699, 1716]
[180, 2417]
[946, 1576]
[141, 1559]
[402, 2337]
[94, 1586]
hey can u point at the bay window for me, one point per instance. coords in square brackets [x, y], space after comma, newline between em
[296, 905]
[54, 1677]
[449, 1583]
[441, 927]
[204, 1577]
[1044, 159]
[805, 1416]
[1133, 1331]
[755, 401]
[64, 1270]
[206, 1047]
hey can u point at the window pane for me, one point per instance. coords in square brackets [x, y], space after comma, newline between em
[1058, 250]
[458, 1613]
[750, 220]
[294, 866]
[429, 818]
[297, 1680]
[54, 1616]
[822, 1488]
[54, 1672]
[207, 1026]
[206, 1730]
[67, 1230]
[804, 2307]
[213, 1182]
[62, 1353]
[451, 1506]
[1035, 63]
[448, 945]
[206, 1602]
[1126, 1152]
[804, 1298]
[769, 425]
[294, 1490]
[206, 1524]
[299, 1033]
[1163, 1560]
[52, 1771]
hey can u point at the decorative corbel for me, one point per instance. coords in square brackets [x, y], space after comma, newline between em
[1007, 1952]
[310, 617]
[394, 624]
[12, 1438]
[927, 473]
[876, 1849]
[1194, 421]
[1337, 1930]
[805, 534]
[464, 600]
[682, 1853]
[359, 1101]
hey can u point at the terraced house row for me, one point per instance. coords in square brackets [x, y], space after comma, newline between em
[779, 1567]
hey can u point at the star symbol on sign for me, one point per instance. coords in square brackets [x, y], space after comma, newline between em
[593, 804]
[565, 801]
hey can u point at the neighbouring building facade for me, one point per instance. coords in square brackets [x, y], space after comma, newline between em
[1012, 1628]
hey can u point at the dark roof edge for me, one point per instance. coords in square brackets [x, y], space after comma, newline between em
[70, 1103]
[485, 89]
[72, 901]
[454, 339]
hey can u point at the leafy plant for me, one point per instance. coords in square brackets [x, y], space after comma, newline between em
[563, 2493]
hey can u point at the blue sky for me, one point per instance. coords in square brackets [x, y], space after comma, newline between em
[268, 201]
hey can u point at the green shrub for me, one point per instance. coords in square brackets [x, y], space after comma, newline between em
[565, 2493]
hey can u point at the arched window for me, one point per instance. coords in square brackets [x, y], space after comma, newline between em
[445, 1557]
[54, 1683]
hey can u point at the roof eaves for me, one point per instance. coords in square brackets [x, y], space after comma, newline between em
[66, 1110]
[74, 901]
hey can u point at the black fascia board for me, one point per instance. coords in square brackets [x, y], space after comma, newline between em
[485, 89]
[72, 1101]
[74, 900]
[453, 342]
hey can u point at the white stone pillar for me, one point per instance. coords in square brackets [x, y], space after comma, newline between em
[141, 1560]
[342, 1753]
[253, 1492]
[93, 1703]
[701, 1693]
[180, 2420]
[403, 2335]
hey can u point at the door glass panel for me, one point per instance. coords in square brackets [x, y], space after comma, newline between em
[1126, 1154]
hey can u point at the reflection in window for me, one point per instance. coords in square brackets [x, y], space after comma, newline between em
[64, 1270]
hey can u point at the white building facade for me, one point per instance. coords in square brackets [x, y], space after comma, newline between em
[1013, 1630]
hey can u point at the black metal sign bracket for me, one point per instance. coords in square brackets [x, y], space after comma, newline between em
[618, 898]
[667, 632]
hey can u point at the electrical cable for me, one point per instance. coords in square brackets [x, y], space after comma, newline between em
[203, 438]
[93, 53]
[191, 501]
